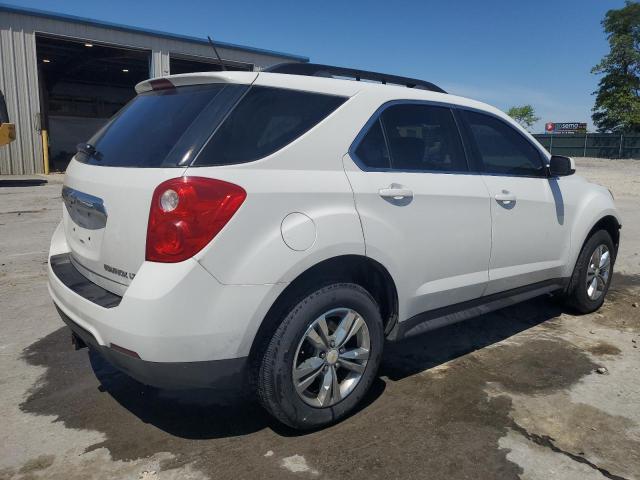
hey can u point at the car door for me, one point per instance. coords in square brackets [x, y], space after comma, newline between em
[424, 216]
[529, 233]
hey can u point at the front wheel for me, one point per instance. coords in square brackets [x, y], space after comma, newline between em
[323, 358]
[592, 274]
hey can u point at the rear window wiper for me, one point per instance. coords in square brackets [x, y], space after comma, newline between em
[89, 151]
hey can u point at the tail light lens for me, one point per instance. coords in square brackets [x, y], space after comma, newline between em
[186, 214]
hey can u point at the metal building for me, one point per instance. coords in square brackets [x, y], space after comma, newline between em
[63, 76]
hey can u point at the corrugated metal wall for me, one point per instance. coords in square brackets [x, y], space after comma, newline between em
[19, 72]
[19, 82]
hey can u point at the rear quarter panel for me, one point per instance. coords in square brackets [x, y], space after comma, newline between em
[305, 176]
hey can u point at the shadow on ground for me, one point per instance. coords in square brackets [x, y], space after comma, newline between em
[74, 384]
[23, 182]
[424, 352]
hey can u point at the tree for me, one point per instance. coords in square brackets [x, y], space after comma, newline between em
[617, 106]
[524, 115]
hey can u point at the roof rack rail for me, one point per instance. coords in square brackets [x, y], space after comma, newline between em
[328, 71]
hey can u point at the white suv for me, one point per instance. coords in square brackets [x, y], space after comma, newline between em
[272, 230]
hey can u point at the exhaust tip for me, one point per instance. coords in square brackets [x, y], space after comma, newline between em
[77, 342]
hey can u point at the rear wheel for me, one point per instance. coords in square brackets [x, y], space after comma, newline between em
[592, 274]
[323, 358]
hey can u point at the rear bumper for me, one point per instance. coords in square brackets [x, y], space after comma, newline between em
[187, 329]
[228, 375]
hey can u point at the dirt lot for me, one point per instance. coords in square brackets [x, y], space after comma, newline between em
[514, 394]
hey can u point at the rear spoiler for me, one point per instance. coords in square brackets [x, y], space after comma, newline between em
[200, 78]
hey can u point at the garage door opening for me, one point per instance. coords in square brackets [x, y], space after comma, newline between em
[82, 85]
[182, 64]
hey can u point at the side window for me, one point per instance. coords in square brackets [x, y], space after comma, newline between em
[372, 150]
[501, 148]
[264, 121]
[423, 137]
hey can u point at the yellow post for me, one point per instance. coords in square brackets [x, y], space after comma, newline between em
[45, 151]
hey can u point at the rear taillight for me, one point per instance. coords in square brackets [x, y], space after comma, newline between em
[186, 214]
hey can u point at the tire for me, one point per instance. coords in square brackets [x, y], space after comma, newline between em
[299, 339]
[578, 292]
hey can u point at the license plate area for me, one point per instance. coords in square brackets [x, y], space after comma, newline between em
[86, 211]
[85, 221]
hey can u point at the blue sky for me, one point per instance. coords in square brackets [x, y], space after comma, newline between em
[504, 52]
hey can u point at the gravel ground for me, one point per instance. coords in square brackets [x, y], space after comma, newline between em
[512, 394]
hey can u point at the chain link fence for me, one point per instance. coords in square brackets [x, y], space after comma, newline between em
[598, 145]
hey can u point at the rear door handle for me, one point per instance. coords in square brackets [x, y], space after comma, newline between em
[395, 192]
[506, 198]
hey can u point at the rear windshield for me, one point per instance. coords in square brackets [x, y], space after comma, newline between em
[162, 128]
[167, 128]
[264, 121]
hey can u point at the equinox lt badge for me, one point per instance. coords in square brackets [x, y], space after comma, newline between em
[120, 273]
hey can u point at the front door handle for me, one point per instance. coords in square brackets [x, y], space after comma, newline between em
[506, 198]
[395, 192]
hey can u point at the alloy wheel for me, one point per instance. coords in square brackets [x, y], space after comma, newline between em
[598, 272]
[331, 357]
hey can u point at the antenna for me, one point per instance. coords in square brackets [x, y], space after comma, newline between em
[217, 55]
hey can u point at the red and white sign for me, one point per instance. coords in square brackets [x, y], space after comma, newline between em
[549, 126]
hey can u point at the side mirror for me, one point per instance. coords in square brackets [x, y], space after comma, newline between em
[560, 166]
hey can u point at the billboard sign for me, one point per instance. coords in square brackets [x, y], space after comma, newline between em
[565, 127]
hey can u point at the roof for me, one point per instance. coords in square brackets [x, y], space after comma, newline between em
[127, 28]
[381, 93]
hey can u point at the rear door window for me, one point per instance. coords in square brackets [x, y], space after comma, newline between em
[424, 138]
[501, 148]
[264, 121]
[161, 128]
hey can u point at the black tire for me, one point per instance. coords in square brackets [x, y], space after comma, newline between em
[577, 296]
[275, 382]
